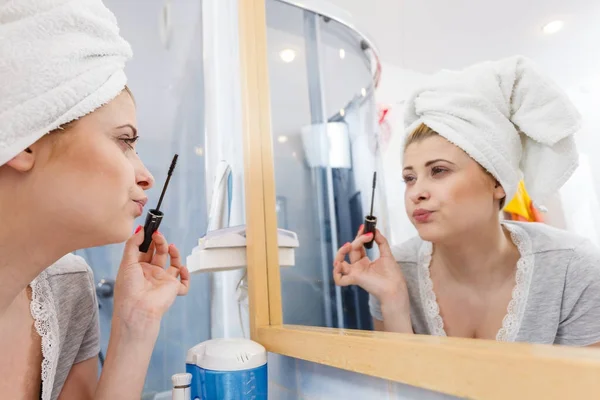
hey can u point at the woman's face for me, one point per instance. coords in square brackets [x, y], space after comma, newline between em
[90, 177]
[447, 192]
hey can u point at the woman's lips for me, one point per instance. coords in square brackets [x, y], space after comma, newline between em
[140, 203]
[422, 215]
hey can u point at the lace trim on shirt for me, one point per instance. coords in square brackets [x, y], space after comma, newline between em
[511, 323]
[46, 325]
[516, 307]
[428, 299]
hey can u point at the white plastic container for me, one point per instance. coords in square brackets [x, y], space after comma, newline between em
[182, 386]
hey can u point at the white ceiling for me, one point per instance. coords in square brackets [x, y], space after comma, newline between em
[427, 35]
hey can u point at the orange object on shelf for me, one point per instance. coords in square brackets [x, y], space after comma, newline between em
[521, 208]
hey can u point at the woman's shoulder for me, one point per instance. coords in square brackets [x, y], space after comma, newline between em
[545, 238]
[408, 251]
[69, 264]
[71, 279]
[560, 248]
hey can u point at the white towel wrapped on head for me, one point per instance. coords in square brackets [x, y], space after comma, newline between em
[508, 117]
[59, 60]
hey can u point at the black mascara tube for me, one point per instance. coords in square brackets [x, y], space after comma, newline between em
[155, 216]
[371, 220]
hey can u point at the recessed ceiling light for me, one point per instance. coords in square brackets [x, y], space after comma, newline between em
[287, 55]
[363, 91]
[342, 54]
[342, 112]
[199, 151]
[282, 139]
[553, 27]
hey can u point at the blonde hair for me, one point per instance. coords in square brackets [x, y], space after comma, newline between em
[421, 133]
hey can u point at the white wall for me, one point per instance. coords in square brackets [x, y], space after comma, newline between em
[580, 195]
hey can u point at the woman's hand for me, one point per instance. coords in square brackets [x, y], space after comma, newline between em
[144, 289]
[382, 278]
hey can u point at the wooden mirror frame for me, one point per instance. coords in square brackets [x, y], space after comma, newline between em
[471, 368]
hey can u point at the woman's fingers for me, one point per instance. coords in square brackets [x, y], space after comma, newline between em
[147, 256]
[361, 240]
[161, 250]
[341, 254]
[184, 287]
[342, 275]
[178, 270]
[131, 252]
[359, 252]
[382, 243]
[173, 270]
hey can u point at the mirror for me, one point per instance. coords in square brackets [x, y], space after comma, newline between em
[330, 134]
[323, 123]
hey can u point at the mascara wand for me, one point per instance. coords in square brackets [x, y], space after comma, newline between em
[371, 220]
[155, 216]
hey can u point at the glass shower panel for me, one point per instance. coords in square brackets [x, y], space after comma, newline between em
[298, 208]
[349, 92]
[166, 79]
[322, 113]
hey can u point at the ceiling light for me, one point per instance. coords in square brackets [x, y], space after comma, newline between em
[287, 55]
[199, 151]
[282, 139]
[342, 54]
[342, 112]
[553, 27]
[363, 91]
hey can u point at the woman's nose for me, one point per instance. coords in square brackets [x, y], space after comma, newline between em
[143, 177]
[418, 194]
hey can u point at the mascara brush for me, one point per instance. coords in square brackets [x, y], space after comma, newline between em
[155, 216]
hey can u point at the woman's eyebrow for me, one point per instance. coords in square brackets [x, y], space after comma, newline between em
[133, 129]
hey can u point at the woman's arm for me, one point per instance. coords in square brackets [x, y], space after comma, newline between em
[396, 315]
[127, 360]
[81, 382]
[124, 372]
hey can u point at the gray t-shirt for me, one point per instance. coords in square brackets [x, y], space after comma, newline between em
[66, 297]
[557, 300]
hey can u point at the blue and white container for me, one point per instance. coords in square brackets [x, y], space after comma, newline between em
[228, 369]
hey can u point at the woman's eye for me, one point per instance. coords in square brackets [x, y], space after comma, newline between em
[408, 179]
[129, 141]
[438, 170]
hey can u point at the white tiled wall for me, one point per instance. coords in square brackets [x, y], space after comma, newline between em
[290, 378]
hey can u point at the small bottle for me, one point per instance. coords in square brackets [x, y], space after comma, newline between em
[181, 387]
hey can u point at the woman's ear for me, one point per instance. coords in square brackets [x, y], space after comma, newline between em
[499, 193]
[22, 162]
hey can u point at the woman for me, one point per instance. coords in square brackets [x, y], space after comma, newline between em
[81, 185]
[469, 274]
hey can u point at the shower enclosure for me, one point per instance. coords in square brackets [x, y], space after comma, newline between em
[323, 73]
